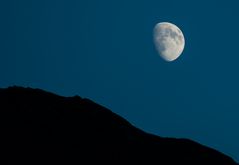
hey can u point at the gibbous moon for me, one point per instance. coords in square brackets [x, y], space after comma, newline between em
[169, 40]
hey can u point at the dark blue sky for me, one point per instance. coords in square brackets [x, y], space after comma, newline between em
[103, 50]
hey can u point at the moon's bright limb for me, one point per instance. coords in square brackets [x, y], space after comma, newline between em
[169, 40]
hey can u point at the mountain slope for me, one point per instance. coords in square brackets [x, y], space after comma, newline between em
[39, 127]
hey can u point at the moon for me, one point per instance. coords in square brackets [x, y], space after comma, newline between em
[169, 40]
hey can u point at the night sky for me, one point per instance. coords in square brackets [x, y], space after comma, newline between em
[103, 50]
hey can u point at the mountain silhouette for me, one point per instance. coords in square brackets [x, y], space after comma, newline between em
[39, 127]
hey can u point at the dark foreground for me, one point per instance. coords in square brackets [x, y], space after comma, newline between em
[38, 127]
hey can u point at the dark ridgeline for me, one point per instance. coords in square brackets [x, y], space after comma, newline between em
[38, 127]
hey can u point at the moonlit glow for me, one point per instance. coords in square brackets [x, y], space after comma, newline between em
[169, 41]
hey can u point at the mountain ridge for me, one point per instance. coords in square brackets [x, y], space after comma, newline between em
[68, 130]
